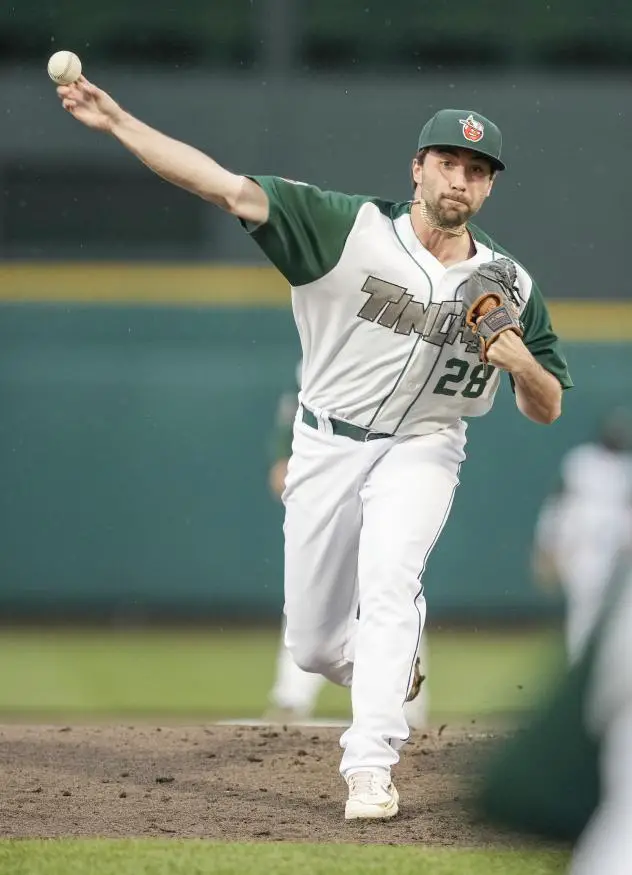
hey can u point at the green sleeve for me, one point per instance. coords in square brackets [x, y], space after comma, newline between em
[541, 340]
[307, 228]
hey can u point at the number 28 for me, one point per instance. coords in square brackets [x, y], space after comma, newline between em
[474, 387]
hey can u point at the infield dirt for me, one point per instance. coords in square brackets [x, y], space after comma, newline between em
[233, 783]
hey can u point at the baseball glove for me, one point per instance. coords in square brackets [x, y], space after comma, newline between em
[488, 300]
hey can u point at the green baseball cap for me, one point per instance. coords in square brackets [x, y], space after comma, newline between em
[465, 130]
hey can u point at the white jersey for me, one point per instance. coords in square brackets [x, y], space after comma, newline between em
[586, 529]
[594, 475]
[381, 321]
[593, 515]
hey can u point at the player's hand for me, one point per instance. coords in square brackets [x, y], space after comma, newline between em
[90, 105]
[509, 353]
[277, 476]
[545, 571]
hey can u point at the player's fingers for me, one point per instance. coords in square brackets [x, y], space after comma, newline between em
[88, 87]
[69, 104]
[69, 91]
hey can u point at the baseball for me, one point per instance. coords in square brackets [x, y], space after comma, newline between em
[64, 68]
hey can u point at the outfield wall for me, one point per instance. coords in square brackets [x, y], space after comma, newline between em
[133, 447]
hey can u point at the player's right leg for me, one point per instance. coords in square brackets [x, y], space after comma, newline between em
[406, 501]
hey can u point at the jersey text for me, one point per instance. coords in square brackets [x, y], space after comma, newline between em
[391, 306]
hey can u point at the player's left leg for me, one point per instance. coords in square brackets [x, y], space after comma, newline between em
[406, 501]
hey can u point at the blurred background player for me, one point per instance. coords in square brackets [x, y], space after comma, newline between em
[585, 525]
[295, 692]
[568, 775]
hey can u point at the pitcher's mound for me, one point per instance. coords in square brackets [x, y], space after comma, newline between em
[234, 783]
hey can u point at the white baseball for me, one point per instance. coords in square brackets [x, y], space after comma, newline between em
[64, 68]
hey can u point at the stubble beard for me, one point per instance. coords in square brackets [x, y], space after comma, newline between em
[445, 218]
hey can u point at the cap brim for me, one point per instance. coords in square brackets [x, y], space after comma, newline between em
[497, 164]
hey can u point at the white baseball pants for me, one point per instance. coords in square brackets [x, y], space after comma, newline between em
[361, 520]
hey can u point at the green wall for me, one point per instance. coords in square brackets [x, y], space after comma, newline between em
[133, 454]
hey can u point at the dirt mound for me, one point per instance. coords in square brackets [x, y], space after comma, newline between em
[228, 782]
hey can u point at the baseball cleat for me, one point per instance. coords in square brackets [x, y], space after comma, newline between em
[417, 681]
[372, 796]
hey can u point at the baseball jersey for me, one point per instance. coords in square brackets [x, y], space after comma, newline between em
[593, 474]
[380, 319]
[590, 521]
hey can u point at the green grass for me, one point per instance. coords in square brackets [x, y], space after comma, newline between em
[131, 857]
[215, 674]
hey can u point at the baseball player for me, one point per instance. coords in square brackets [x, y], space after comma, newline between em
[407, 315]
[583, 528]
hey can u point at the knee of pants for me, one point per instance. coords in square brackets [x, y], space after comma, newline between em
[313, 656]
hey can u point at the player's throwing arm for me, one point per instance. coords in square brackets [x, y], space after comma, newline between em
[174, 161]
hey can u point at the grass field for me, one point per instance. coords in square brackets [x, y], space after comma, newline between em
[200, 858]
[219, 675]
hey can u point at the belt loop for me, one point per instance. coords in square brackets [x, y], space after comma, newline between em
[324, 423]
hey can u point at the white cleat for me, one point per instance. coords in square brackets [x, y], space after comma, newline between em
[372, 795]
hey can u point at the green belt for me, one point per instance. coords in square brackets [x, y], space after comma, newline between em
[344, 429]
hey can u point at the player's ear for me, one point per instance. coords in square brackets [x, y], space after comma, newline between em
[416, 170]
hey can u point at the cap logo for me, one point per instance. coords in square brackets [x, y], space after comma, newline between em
[473, 130]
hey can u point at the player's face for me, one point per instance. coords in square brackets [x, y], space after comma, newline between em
[453, 183]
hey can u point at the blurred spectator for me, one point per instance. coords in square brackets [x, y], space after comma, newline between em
[585, 525]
